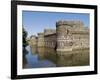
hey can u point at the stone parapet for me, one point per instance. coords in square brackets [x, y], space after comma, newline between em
[69, 23]
[49, 31]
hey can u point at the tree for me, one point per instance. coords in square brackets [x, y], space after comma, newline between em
[25, 43]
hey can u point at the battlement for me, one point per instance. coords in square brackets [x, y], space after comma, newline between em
[69, 23]
[49, 31]
[79, 32]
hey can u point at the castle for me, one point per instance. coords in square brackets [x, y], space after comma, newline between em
[68, 36]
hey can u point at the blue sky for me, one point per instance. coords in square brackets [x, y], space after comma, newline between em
[35, 22]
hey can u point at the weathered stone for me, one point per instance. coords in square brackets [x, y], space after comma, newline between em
[68, 36]
[33, 40]
[50, 41]
[40, 40]
[71, 35]
[49, 31]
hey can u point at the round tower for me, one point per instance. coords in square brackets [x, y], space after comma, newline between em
[64, 37]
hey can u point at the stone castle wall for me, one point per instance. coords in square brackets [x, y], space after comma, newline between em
[33, 40]
[69, 35]
[40, 42]
[49, 31]
[50, 40]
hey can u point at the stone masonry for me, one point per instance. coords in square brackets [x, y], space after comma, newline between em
[69, 35]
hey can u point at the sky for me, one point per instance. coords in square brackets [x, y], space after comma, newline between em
[35, 21]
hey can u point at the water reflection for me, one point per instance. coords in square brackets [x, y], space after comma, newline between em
[37, 60]
[34, 49]
[75, 58]
[51, 54]
[39, 57]
[25, 52]
[41, 53]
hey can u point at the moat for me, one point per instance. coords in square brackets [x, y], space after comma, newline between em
[35, 59]
[41, 57]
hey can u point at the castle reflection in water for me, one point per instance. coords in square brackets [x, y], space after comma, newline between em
[68, 45]
[45, 57]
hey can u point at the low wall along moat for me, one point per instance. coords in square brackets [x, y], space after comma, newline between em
[70, 41]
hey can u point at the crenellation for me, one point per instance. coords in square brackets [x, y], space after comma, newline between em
[49, 31]
[70, 23]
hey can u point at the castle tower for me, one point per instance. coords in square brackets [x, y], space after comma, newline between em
[33, 40]
[40, 39]
[71, 35]
[63, 35]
